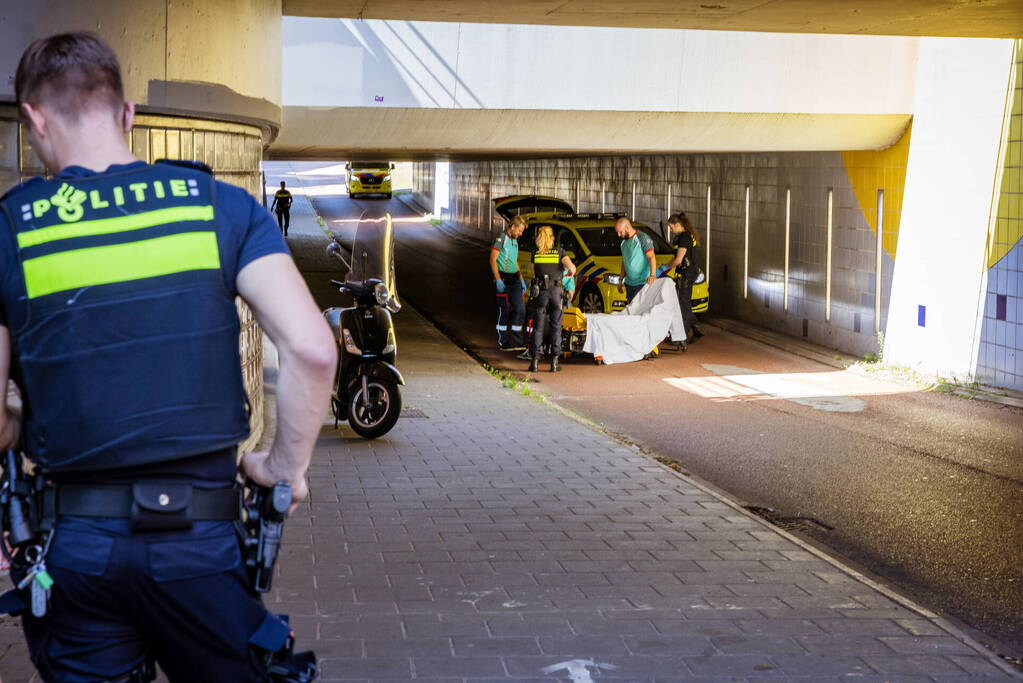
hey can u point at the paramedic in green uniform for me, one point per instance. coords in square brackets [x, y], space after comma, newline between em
[639, 265]
[504, 268]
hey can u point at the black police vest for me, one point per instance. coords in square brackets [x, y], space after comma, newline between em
[549, 264]
[128, 353]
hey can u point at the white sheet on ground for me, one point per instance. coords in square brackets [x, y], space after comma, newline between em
[629, 335]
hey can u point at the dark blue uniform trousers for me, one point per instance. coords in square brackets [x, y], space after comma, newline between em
[511, 311]
[181, 597]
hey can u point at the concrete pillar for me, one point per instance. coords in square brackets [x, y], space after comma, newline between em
[221, 59]
[935, 311]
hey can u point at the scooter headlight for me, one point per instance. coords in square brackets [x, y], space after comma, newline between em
[381, 294]
[350, 346]
[392, 344]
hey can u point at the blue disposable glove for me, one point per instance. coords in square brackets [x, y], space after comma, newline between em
[662, 271]
[500, 286]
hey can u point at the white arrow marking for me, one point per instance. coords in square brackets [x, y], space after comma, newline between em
[578, 669]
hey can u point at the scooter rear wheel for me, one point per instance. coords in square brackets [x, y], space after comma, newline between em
[374, 415]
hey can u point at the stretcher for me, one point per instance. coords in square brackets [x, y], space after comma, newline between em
[629, 335]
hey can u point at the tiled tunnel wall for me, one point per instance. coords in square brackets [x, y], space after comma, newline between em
[1000, 356]
[233, 151]
[423, 183]
[746, 266]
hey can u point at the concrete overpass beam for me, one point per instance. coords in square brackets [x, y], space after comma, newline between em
[215, 59]
[398, 88]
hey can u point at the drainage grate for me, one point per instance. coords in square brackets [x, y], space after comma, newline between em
[788, 523]
[408, 412]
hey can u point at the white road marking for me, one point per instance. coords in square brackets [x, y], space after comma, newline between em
[578, 669]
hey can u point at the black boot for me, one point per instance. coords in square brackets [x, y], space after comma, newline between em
[534, 364]
[554, 363]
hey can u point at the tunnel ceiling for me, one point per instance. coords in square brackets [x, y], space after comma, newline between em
[952, 18]
[325, 133]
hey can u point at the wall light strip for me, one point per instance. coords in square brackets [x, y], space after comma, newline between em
[880, 261]
[788, 242]
[706, 233]
[827, 267]
[745, 251]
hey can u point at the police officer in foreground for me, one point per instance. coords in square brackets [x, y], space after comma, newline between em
[550, 264]
[118, 324]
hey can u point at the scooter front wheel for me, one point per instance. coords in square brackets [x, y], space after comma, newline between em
[373, 407]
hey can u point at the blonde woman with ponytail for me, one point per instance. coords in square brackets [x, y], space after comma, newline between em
[548, 262]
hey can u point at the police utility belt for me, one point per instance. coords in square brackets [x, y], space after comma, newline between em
[539, 284]
[151, 505]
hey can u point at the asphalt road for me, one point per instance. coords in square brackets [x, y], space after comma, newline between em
[923, 490]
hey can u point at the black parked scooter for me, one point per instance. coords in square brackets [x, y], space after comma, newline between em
[366, 382]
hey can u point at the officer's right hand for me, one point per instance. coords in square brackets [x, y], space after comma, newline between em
[501, 287]
[258, 467]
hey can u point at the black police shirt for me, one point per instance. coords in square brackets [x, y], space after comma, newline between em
[251, 233]
[684, 240]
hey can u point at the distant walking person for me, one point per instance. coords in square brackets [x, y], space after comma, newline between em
[504, 267]
[687, 267]
[282, 207]
[639, 265]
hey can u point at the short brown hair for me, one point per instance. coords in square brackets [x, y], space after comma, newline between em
[518, 221]
[69, 71]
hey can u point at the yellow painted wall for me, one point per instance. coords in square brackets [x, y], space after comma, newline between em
[1007, 229]
[870, 171]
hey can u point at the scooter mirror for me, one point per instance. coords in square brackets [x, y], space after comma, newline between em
[334, 249]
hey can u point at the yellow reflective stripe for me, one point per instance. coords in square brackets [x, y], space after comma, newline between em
[546, 258]
[79, 268]
[105, 226]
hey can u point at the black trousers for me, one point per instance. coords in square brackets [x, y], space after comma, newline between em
[284, 220]
[684, 287]
[547, 317]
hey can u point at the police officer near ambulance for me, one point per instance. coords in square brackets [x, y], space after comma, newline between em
[550, 265]
[688, 266]
[118, 324]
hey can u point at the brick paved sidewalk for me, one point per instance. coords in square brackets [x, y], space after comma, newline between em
[457, 548]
